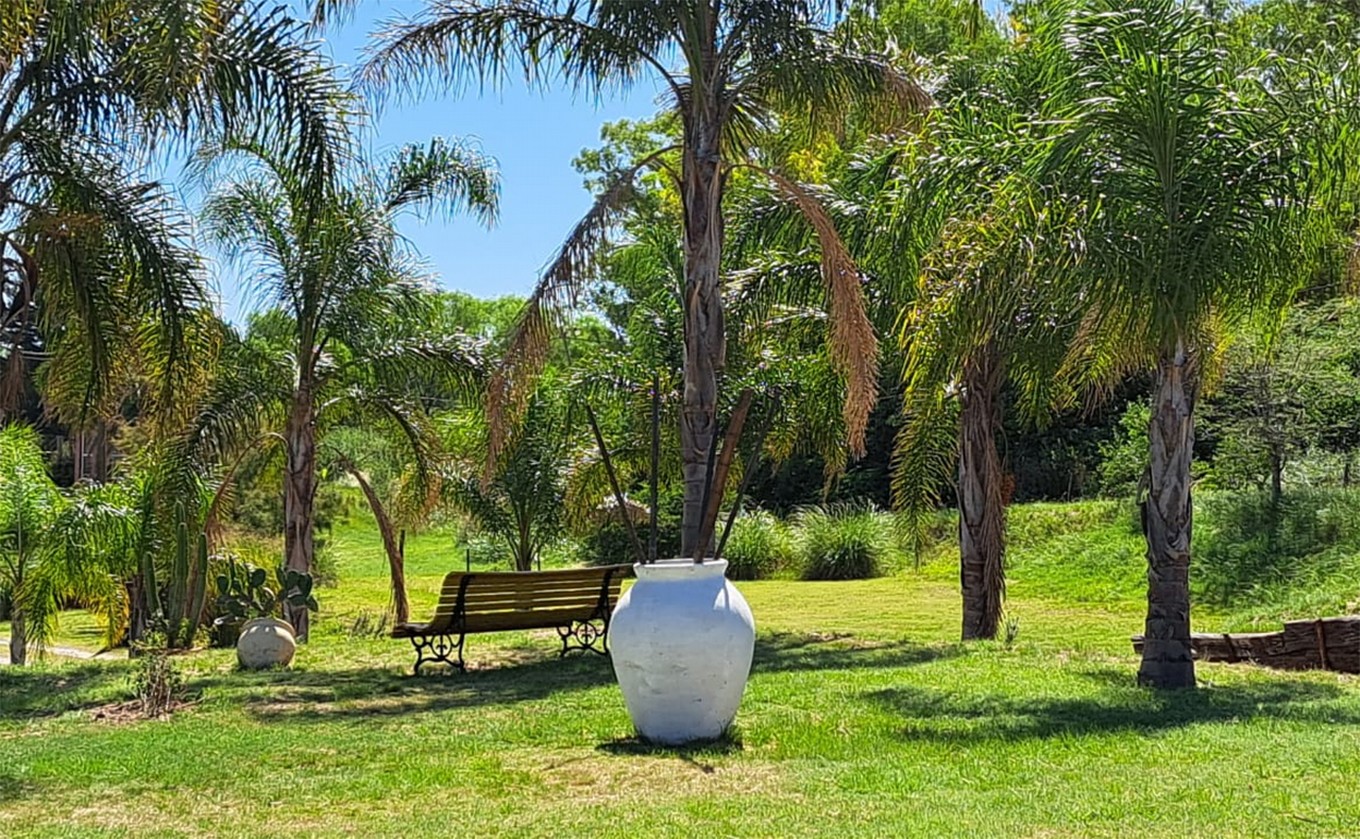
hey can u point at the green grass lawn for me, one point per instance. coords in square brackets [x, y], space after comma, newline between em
[862, 718]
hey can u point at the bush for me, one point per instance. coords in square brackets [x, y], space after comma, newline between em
[157, 681]
[1252, 553]
[609, 544]
[759, 546]
[1124, 459]
[843, 542]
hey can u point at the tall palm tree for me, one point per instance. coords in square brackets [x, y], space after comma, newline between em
[350, 343]
[94, 273]
[728, 67]
[986, 310]
[1199, 171]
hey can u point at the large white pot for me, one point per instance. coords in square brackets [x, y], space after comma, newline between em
[265, 642]
[681, 640]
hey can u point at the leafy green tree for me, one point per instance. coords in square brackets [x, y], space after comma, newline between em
[738, 64]
[987, 316]
[523, 501]
[54, 546]
[29, 504]
[349, 342]
[1287, 395]
[95, 276]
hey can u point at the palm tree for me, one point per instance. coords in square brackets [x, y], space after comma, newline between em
[29, 503]
[739, 63]
[94, 273]
[55, 546]
[523, 503]
[988, 309]
[1198, 168]
[350, 344]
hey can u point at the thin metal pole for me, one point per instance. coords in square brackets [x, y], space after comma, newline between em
[614, 483]
[656, 464]
[701, 544]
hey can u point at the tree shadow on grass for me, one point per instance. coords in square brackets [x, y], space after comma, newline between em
[13, 788]
[36, 692]
[375, 693]
[791, 651]
[324, 695]
[1119, 706]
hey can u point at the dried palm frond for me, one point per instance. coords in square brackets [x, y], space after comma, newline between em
[854, 347]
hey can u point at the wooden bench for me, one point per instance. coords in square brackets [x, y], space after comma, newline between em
[576, 602]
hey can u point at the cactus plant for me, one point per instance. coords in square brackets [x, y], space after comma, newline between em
[177, 607]
[243, 593]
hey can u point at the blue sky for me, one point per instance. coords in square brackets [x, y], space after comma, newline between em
[532, 135]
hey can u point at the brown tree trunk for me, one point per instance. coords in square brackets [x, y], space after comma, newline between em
[1167, 661]
[18, 638]
[77, 437]
[396, 563]
[705, 347]
[982, 512]
[523, 547]
[299, 496]
[99, 468]
[138, 618]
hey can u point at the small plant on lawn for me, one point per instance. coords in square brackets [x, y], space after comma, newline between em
[843, 542]
[157, 680]
[1012, 630]
[760, 546]
[369, 625]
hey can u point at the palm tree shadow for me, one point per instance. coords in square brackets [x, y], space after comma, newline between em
[791, 651]
[1119, 706]
[37, 692]
[377, 692]
[13, 788]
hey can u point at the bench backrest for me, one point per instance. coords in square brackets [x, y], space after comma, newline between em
[496, 600]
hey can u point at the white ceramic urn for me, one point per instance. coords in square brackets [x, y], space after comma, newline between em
[681, 640]
[265, 642]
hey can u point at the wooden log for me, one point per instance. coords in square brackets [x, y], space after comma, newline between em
[1320, 644]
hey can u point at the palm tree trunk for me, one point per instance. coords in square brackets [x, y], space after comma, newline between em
[524, 545]
[396, 563]
[18, 639]
[138, 619]
[299, 496]
[705, 347]
[982, 522]
[1167, 662]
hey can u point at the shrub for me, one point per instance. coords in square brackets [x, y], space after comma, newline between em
[609, 544]
[843, 542]
[1124, 458]
[1253, 553]
[759, 546]
[157, 681]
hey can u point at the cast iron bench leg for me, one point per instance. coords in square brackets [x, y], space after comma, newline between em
[584, 635]
[439, 647]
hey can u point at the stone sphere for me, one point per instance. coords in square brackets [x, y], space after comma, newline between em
[265, 642]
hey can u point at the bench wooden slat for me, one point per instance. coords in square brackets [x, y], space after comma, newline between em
[545, 619]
